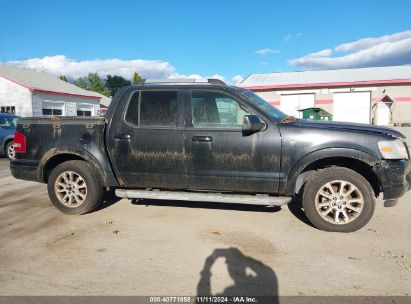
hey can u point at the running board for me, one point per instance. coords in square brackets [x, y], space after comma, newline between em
[258, 199]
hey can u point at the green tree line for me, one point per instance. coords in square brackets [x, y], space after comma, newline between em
[107, 87]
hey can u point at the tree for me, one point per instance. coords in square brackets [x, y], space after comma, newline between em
[82, 83]
[93, 82]
[63, 77]
[115, 83]
[136, 77]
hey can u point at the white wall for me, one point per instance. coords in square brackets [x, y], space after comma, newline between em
[401, 93]
[407, 132]
[12, 94]
[39, 98]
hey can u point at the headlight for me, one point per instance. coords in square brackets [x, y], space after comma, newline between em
[393, 149]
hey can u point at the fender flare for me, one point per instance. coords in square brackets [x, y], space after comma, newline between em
[87, 156]
[324, 153]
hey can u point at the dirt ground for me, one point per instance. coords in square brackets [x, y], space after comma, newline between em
[176, 248]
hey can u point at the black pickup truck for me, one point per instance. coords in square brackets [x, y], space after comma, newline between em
[207, 141]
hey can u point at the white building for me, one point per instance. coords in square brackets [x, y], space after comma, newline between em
[29, 93]
[104, 103]
[378, 95]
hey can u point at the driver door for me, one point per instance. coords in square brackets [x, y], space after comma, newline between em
[221, 157]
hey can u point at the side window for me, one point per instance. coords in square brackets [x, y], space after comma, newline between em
[132, 110]
[157, 109]
[216, 110]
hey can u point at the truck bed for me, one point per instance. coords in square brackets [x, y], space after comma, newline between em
[52, 137]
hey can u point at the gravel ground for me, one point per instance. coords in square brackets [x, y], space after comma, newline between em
[175, 248]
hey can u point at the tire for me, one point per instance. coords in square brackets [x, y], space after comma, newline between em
[75, 187]
[10, 150]
[338, 199]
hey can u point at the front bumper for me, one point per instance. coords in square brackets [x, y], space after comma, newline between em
[395, 178]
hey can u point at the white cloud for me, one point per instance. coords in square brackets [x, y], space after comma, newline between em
[61, 65]
[72, 69]
[366, 43]
[381, 51]
[288, 37]
[322, 53]
[267, 51]
[236, 80]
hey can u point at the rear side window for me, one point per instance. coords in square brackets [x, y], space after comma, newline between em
[132, 110]
[156, 109]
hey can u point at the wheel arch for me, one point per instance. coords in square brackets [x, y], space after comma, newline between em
[358, 161]
[55, 157]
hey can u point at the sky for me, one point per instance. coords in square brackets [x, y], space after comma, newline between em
[226, 39]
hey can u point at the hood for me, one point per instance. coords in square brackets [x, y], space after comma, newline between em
[349, 127]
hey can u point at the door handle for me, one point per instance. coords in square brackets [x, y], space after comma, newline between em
[202, 139]
[122, 136]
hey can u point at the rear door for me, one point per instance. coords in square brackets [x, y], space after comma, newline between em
[147, 143]
[220, 156]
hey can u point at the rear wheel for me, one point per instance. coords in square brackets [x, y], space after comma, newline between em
[11, 154]
[338, 199]
[74, 187]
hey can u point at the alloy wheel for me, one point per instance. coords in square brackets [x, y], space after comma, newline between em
[339, 202]
[70, 189]
[11, 152]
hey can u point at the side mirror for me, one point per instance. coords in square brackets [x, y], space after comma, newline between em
[252, 124]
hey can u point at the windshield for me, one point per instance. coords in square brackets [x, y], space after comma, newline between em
[263, 105]
[8, 122]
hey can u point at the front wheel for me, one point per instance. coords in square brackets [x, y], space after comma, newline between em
[338, 199]
[74, 187]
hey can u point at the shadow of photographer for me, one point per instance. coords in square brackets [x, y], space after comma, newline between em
[251, 277]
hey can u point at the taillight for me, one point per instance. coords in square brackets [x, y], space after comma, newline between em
[19, 142]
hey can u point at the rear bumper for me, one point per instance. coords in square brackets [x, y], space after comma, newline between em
[25, 169]
[395, 177]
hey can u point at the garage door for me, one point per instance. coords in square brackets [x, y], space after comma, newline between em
[290, 104]
[352, 107]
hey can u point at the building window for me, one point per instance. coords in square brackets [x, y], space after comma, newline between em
[85, 110]
[52, 112]
[83, 113]
[52, 108]
[8, 109]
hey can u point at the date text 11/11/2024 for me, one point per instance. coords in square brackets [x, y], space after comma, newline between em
[203, 299]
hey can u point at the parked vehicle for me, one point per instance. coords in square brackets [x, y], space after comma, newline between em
[206, 141]
[8, 123]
